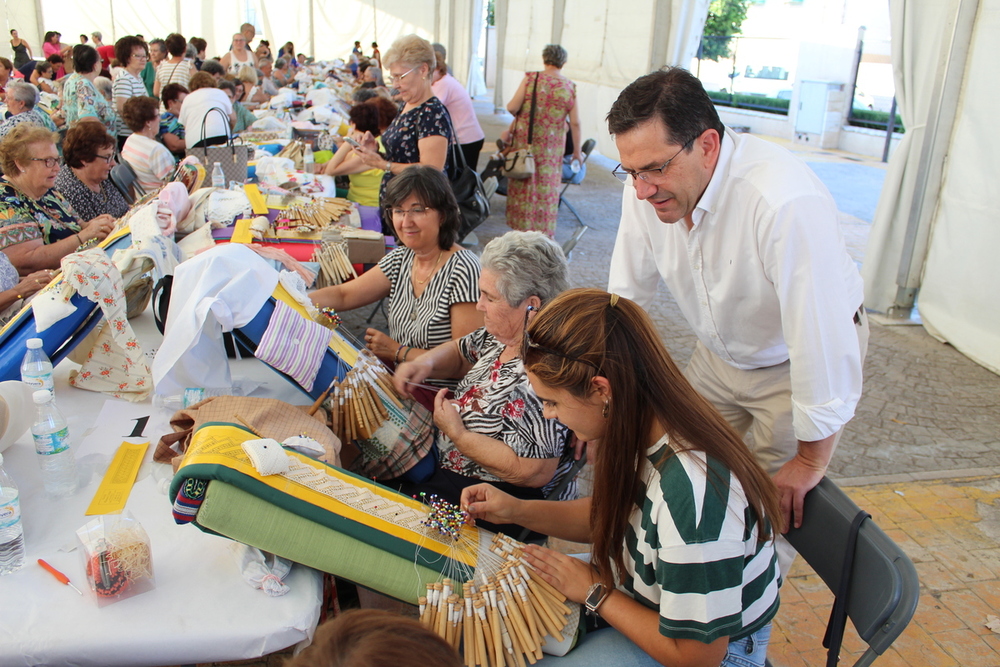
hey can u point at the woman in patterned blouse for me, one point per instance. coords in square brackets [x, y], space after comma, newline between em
[89, 154]
[80, 98]
[420, 134]
[38, 227]
[495, 431]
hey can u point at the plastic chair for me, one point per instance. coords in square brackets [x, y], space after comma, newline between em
[882, 586]
[586, 149]
[124, 178]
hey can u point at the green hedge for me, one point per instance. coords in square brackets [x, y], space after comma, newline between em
[755, 102]
[875, 120]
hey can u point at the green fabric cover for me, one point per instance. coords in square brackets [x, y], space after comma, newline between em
[244, 517]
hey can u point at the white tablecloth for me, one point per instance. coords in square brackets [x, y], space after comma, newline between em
[201, 610]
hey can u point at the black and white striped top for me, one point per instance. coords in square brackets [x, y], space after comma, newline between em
[424, 322]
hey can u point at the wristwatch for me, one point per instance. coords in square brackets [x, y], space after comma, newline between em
[596, 595]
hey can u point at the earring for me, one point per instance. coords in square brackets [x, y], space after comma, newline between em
[607, 408]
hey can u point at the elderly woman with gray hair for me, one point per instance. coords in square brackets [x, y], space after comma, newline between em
[494, 430]
[533, 203]
[21, 100]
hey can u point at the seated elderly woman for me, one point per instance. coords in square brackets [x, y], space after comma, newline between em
[14, 289]
[149, 158]
[235, 91]
[495, 431]
[21, 100]
[38, 227]
[431, 282]
[202, 125]
[89, 154]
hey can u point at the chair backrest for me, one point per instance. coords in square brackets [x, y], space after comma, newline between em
[588, 147]
[883, 591]
[124, 178]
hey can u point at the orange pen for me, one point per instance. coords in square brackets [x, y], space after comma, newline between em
[62, 578]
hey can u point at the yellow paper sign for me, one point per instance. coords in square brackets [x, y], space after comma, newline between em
[116, 486]
[241, 234]
[256, 199]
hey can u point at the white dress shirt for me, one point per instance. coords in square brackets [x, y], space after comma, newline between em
[762, 277]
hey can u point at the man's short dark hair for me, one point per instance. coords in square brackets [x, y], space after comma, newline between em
[674, 96]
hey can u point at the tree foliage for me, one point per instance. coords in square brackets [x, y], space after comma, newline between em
[725, 18]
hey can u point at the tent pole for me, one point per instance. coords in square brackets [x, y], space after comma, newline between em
[312, 29]
[940, 125]
[500, 10]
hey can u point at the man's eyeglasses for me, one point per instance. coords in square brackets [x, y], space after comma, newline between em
[49, 161]
[528, 344]
[646, 174]
[398, 79]
[416, 211]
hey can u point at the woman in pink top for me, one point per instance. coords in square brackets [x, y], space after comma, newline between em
[456, 99]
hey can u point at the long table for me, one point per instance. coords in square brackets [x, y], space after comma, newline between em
[200, 611]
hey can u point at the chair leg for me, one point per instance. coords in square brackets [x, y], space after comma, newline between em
[567, 247]
[378, 306]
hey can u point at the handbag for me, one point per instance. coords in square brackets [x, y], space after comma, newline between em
[232, 157]
[473, 205]
[519, 164]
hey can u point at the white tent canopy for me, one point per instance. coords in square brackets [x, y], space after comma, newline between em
[326, 30]
[936, 228]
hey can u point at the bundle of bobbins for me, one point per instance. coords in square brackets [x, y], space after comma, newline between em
[336, 267]
[360, 406]
[504, 612]
[314, 214]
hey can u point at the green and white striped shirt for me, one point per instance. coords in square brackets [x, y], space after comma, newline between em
[691, 550]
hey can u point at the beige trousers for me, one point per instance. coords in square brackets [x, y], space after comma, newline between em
[759, 402]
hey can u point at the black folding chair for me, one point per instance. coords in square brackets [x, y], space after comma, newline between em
[875, 582]
[124, 178]
[587, 148]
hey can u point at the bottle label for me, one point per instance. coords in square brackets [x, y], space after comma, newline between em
[52, 443]
[37, 382]
[10, 513]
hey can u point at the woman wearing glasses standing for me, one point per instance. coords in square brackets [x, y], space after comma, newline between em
[533, 203]
[420, 134]
[38, 227]
[432, 284]
[89, 154]
[133, 54]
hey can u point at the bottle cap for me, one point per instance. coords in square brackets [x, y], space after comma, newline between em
[41, 396]
[34, 343]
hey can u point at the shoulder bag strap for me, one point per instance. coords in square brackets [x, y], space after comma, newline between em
[531, 120]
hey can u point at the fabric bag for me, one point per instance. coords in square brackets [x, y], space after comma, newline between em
[473, 205]
[232, 157]
[519, 164]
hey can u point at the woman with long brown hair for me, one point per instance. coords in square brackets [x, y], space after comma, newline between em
[682, 518]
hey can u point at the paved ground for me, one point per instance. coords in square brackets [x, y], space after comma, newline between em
[922, 455]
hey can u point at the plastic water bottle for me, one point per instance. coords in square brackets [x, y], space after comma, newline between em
[308, 159]
[36, 369]
[11, 533]
[575, 166]
[218, 176]
[51, 436]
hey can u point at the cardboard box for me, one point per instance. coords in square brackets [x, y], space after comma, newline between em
[366, 251]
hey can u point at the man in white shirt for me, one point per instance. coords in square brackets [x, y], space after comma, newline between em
[747, 240]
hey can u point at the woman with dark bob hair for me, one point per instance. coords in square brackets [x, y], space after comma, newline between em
[38, 227]
[89, 155]
[431, 282]
[80, 97]
[682, 518]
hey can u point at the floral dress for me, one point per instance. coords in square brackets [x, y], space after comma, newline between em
[82, 100]
[532, 203]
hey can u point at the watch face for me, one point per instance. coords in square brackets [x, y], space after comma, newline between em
[594, 598]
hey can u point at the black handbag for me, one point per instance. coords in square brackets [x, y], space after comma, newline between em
[468, 188]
